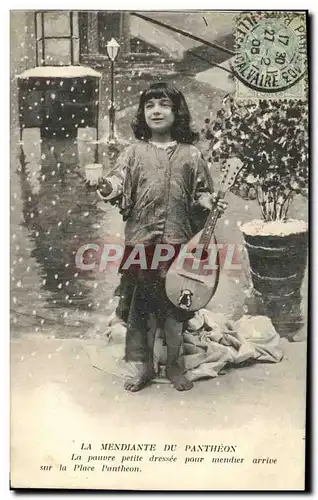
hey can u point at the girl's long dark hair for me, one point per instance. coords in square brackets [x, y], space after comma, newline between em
[181, 130]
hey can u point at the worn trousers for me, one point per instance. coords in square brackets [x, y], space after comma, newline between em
[150, 309]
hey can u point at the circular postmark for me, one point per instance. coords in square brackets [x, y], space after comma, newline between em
[271, 50]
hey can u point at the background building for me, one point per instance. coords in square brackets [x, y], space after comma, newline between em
[154, 42]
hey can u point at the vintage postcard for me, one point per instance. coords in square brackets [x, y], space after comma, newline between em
[159, 236]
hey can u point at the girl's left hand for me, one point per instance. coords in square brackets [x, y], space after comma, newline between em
[208, 200]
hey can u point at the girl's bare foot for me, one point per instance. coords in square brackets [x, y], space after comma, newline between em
[145, 374]
[178, 379]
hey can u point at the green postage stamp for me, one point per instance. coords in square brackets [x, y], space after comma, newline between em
[271, 54]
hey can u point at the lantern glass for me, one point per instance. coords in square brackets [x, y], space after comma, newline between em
[112, 49]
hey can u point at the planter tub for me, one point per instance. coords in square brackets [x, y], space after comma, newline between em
[277, 264]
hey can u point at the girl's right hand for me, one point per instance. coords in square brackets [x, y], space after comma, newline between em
[92, 186]
[104, 189]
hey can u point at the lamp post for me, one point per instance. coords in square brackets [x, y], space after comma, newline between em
[112, 48]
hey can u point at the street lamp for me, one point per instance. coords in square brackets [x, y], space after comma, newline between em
[112, 48]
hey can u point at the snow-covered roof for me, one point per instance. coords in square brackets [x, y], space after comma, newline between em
[59, 72]
[211, 26]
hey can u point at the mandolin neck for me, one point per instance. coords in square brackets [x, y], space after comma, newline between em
[210, 224]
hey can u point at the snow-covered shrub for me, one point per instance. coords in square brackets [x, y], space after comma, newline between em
[270, 137]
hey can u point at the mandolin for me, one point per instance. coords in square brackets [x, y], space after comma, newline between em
[193, 277]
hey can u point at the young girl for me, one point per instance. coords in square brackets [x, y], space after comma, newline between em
[160, 187]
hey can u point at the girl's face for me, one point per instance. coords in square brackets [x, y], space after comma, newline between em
[159, 115]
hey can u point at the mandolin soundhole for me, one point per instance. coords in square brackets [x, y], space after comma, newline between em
[204, 255]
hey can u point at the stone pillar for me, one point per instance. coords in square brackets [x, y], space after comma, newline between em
[125, 32]
[92, 33]
[22, 41]
[30, 41]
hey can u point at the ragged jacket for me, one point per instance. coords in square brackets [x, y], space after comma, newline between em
[159, 194]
